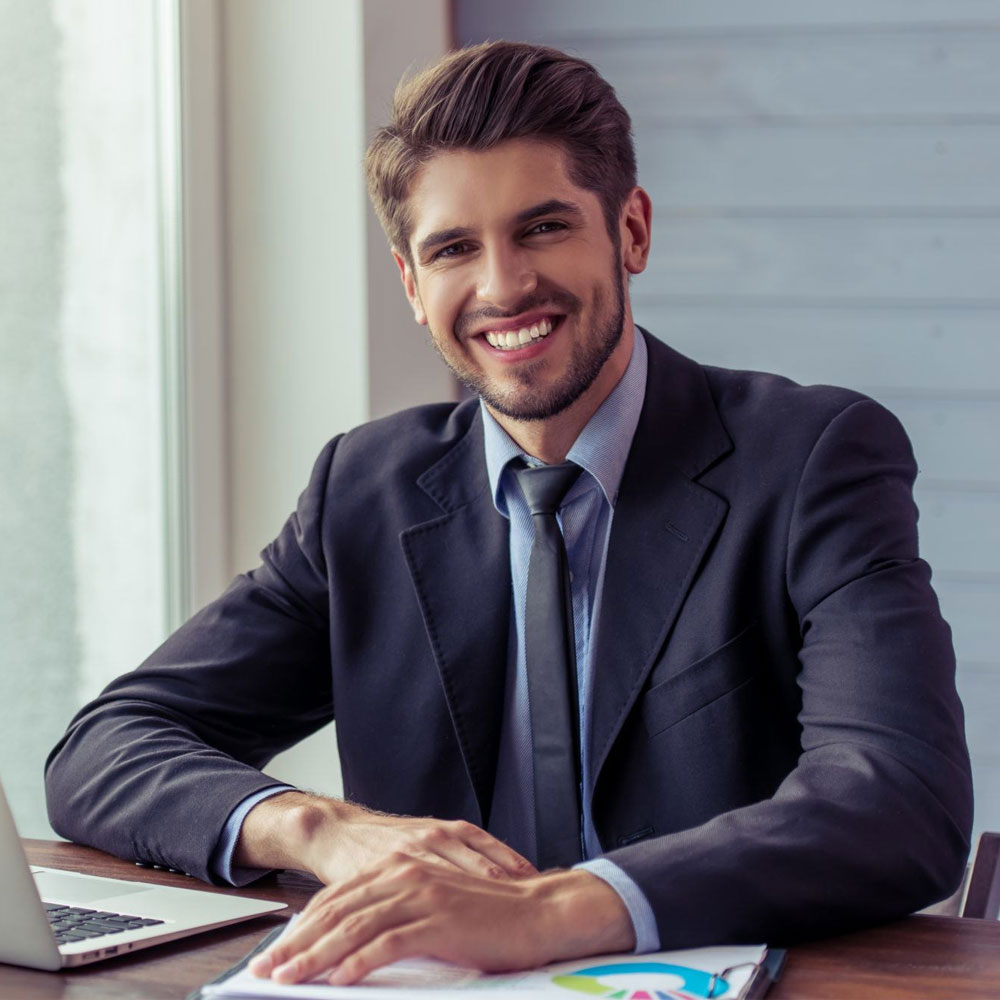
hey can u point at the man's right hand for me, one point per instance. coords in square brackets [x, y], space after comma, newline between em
[335, 840]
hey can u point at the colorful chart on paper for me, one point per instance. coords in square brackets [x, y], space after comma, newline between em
[643, 981]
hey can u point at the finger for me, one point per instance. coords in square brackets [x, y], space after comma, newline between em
[403, 941]
[472, 862]
[352, 933]
[493, 850]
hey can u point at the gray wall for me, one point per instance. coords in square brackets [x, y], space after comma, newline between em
[826, 189]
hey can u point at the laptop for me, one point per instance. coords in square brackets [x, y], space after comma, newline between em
[53, 919]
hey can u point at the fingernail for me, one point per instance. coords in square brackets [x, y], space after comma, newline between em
[261, 965]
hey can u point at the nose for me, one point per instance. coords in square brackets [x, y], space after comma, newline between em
[505, 277]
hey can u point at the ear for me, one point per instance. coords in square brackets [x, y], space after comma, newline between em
[636, 228]
[410, 286]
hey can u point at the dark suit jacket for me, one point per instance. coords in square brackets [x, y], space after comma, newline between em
[778, 747]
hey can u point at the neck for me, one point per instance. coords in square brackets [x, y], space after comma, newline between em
[548, 440]
[551, 439]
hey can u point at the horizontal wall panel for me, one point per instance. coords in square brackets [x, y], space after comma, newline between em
[979, 686]
[973, 611]
[960, 532]
[946, 73]
[476, 20]
[951, 351]
[792, 259]
[918, 167]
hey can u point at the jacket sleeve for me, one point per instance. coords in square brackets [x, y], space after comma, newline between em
[151, 769]
[874, 821]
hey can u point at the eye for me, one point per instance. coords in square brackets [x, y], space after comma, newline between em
[548, 226]
[452, 250]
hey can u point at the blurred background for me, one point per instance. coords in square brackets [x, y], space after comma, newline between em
[195, 295]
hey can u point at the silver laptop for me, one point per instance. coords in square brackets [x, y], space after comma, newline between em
[52, 919]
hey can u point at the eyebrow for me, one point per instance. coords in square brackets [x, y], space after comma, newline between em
[554, 206]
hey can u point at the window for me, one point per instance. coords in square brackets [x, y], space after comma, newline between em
[86, 382]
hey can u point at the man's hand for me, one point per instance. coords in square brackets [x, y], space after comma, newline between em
[407, 907]
[336, 840]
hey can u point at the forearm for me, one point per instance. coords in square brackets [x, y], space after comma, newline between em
[151, 769]
[851, 837]
[142, 786]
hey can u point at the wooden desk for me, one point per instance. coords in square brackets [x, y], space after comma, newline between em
[920, 957]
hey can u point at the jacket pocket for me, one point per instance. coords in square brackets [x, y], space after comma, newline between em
[723, 670]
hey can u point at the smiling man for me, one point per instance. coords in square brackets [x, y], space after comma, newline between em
[624, 653]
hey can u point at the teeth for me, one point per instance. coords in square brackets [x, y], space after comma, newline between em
[511, 340]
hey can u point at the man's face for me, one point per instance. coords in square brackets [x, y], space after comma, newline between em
[516, 277]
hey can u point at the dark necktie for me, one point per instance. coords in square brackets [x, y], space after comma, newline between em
[551, 664]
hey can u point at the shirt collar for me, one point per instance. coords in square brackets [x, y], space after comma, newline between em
[602, 446]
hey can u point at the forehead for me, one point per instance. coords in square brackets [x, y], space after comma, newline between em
[476, 189]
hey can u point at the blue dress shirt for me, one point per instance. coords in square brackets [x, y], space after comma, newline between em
[585, 518]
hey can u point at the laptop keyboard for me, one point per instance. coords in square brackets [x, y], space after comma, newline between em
[75, 923]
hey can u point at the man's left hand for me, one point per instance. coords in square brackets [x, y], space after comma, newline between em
[409, 908]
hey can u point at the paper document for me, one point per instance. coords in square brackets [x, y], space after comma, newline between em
[718, 973]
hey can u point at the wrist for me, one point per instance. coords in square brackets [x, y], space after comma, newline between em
[282, 831]
[319, 832]
[583, 914]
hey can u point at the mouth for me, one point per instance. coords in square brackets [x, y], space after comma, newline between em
[522, 337]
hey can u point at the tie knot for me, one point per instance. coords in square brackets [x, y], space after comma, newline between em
[544, 486]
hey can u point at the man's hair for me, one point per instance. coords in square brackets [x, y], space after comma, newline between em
[483, 95]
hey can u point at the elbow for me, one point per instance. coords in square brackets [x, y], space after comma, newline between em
[56, 795]
[948, 841]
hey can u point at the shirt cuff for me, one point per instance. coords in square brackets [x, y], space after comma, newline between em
[647, 937]
[220, 865]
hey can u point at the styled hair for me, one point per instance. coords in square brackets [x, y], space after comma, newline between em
[483, 95]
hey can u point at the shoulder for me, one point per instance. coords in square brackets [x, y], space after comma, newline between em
[740, 393]
[767, 396]
[781, 413]
[410, 437]
[387, 456]
[769, 419]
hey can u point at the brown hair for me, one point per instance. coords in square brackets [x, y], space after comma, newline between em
[485, 94]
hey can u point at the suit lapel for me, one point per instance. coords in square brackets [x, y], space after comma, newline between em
[663, 524]
[460, 567]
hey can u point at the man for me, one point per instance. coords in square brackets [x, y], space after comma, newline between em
[765, 738]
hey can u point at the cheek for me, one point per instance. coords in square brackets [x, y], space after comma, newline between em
[578, 272]
[442, 304]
